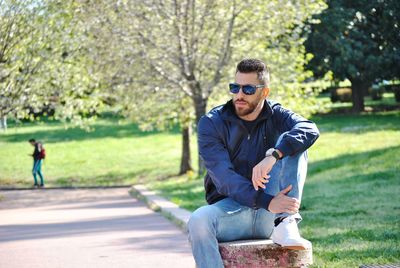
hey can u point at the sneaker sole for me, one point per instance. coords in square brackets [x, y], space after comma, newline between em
[295, 247]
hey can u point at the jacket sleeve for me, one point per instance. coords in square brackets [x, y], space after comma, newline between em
[220, 168]
[300, 132]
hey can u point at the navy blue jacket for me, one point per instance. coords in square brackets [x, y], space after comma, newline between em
[230, 152]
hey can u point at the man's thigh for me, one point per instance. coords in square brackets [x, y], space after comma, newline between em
[238, 222]
[263, 224]
[234, 221]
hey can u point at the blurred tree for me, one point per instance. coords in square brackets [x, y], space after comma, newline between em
[190, 48]
[16, 31]
[43, 63]
[358, 40]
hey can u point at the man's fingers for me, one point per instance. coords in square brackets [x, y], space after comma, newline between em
[282, 203]
[260, 184]
[286, 190]
[253, 180]
[267, 178]
[255, 185]
[288, 204]
[257, 179]
[292, 205]
[263, 180]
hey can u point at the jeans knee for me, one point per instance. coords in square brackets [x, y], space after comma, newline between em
[201, 223]
[197, 222]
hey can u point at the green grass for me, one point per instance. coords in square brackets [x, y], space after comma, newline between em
[114, 153]
[387, 102]
[350, 206]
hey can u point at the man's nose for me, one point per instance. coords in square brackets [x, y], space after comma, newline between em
[240, 94]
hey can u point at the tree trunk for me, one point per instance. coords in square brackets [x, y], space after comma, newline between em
[358, 88]
[3, 123]
[186, 162]
[200, 108]
[200, 105]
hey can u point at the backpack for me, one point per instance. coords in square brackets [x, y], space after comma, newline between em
[42, 154]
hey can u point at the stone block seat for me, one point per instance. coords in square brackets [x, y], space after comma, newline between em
[262, 254]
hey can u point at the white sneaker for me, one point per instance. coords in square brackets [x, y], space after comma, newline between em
[287, 235]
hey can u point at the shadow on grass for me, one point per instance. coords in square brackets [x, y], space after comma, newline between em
[344, 179]
[365, 234]
[350, 210]
[353, 123]
[379, 247]
[347, 159]
[358, 123]
[111, 129]
[384, 254]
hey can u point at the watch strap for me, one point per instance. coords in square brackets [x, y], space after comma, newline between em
[276, 155]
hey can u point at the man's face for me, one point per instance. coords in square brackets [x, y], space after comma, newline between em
[246, 104]
[32, 143]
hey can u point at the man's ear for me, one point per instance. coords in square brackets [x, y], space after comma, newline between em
[265, 92]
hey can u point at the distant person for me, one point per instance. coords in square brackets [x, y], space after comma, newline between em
[254, 151]
[38, 155]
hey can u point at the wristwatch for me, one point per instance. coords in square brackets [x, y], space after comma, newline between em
[273, 152]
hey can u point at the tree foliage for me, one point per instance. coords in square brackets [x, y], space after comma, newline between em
[192, 47]
[357, 40]
[42, 61]
[166, 51]
[161, 62]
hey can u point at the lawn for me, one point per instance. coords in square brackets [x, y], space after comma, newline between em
[351, 200]
[113, 153]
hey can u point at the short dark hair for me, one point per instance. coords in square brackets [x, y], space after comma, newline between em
[254, 66]
[32, 140]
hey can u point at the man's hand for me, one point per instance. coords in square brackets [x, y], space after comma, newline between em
[282, 203]
[260, 172]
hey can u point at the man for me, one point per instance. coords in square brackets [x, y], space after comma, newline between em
[38, 156]
[255, 155]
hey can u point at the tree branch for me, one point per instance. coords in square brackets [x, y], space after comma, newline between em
[225, 51]
[161, 72]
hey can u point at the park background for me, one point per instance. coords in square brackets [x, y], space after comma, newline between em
[114, 90]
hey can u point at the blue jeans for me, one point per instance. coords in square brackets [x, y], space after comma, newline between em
[37, 169]
[227, 220]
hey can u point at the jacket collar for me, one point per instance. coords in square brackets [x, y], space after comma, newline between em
[228, 112]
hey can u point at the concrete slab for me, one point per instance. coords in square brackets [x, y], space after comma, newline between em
[86, 228]
[170, 210]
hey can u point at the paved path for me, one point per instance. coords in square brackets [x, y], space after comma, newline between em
[86, 228]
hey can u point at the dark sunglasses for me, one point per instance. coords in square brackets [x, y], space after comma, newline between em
[247, 89]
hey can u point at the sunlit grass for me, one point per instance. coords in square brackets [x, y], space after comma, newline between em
[113, 153]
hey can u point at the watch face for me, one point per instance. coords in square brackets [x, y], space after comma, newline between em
[275, 154]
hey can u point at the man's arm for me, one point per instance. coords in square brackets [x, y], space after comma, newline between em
[301, 133]
[220, 168]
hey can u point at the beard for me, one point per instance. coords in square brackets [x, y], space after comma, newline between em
[243, 111]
